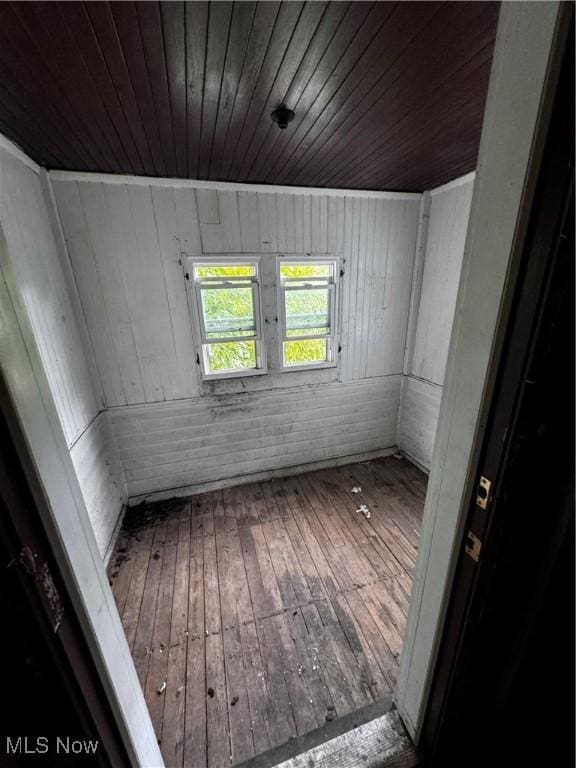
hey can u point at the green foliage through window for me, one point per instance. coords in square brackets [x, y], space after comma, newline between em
[231, 356]
[305, 270]
[306, 296]
[307, 312]
[228, 270]
[229, 294]
[229, 313]
[305, 351]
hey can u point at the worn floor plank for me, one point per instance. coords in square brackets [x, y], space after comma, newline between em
[269, 609]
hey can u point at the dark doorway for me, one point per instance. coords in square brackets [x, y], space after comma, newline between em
[503, 688]
[55, 710]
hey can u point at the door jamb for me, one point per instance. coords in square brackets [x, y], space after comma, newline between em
[528, 53]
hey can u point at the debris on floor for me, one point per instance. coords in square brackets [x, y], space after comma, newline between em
[290, 650]
[162, 688]
[365, 511]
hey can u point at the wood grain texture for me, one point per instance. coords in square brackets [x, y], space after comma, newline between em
[37, 259]
[418, 419]
[447, 227]
[126, 242]
[64, 511]
[287, 626]
[380, 742]
[34, 256]
[97, 466]
[387, 95]
[166, 446]
[436, 284]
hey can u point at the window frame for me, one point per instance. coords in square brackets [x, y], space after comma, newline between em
[332, 337]
[199, 327]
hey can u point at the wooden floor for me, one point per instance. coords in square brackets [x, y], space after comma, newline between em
[261, 612]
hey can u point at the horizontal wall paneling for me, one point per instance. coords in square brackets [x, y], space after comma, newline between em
[97, 466]
[209, 439]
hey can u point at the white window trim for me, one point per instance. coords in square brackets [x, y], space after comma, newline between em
[195, 307]
[333, 336]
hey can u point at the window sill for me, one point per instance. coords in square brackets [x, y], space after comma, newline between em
[306, 367]
[245, 373]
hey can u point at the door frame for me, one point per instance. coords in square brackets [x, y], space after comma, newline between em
[45, 595]
[498, 592]
[528, 53]
[529, 44]
[32, 418]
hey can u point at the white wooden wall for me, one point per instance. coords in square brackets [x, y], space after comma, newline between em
[33, 253]
[419, 419]
[125, 240]
[126, 237]
[37, 261]
[60, 499]
[438, 288]
[208, 439]
[96, 461]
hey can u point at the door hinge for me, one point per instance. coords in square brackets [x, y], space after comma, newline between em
[473, 546]
[483, 492]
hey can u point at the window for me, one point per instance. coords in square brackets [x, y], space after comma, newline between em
[228, 307]
[307, 299]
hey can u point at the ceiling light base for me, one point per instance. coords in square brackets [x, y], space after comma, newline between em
[282, 115]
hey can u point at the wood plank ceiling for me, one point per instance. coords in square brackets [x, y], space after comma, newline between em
[387, 95]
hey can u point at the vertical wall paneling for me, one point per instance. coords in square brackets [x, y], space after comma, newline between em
[65, 514]
[35, 259]
[58, 236]
[249, 222]
[416, 290]
[442, 235]
[187, 224]
[152, 225]
[171, 250]
[79, 243]
[47, 289]
[103, 219]
[449, 211]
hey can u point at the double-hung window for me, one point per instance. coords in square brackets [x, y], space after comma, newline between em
[307, 303]
[229, 315]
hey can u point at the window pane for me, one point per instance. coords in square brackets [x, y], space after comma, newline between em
[307, 312]
[305, 270]
[305, 351]
[231, 356]
[228, 312]
[229, 270]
